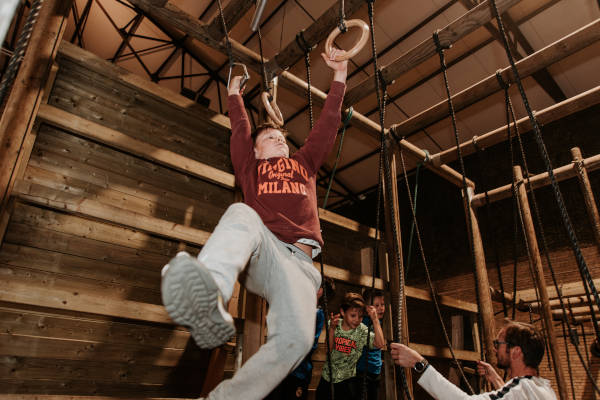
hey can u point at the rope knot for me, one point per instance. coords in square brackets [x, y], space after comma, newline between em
[439, 47]
[302, 43]
[503, 84]
[427, 156]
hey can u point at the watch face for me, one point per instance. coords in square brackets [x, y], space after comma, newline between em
[419, 366]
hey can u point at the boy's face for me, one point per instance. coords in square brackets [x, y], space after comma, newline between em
[270, 143]
[379, 304]
[352, 317]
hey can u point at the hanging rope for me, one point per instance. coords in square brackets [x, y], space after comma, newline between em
[588, 283]
[19, 53]
[304, 45]
[384, 162]
[466, 200]
[428, 276]
[229, 50]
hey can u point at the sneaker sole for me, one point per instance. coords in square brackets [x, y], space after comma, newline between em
[192, 299]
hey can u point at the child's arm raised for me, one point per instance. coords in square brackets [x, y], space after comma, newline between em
[379, 341]
[333, 323]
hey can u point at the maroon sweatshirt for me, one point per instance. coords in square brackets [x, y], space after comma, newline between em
[283, 190]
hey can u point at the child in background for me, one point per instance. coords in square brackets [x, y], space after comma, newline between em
[347, 337]
[295, 385]
[370, 361]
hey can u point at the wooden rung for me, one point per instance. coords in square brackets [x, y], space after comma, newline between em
[444, 352]
[442, 300]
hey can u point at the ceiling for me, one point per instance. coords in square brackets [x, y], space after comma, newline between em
[116, 31]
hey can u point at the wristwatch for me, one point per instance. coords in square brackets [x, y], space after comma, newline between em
[421, 366]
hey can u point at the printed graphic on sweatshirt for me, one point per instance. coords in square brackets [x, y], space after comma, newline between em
[284, 176]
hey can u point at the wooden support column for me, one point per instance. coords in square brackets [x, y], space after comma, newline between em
[540, 281]
[394, 246]
[586, 190]
[483, 286]
[21, 107]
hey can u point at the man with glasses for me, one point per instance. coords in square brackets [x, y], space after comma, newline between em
[519, 348]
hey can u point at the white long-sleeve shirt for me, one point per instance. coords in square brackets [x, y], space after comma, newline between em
[519, 388]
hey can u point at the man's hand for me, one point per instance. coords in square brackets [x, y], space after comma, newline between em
[340, 68]
[234, 86]
[486, 370]
[404, 355]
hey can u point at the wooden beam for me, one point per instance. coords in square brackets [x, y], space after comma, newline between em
[444, 352]
[37, 194]
[555, 112]
[536, 181]
[19, 113]
[446, 301]
[103, 134]
[232, 13]
[543, 58]
[540, 280]
[313, 35]
[464, 25]
[586, 190]
[567, 290]
[483, 285]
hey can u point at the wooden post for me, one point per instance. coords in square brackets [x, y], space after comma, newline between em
[540, 281]
[483, 286]
[586, 189]
[394, 246]
[22, 104]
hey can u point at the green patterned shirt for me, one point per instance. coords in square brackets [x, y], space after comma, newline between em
[348, 347]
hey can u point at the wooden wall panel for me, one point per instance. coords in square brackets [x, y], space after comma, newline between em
[114, 104]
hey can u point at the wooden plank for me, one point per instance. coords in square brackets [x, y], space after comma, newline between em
[444, 352]
[94, 63]
[457, 29]
[31, 323]
[82, 267]
[143, 358]
[21, 106]
[346, 276]
[443, 300]
[53, 231]
[109, 103]
[34, 289]
[115, 166]
[80, 285]
[347, 223]
[40, 195]
[567, 290]
[94, 131]
[543, 58]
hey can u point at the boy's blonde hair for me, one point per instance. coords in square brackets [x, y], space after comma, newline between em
[352, 300]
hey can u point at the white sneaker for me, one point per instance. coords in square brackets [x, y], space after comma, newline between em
[193, 299]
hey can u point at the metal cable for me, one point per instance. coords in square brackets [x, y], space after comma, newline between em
[19, 53]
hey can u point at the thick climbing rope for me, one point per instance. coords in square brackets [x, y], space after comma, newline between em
[428, 276]
[384, 159]
[466, 200]
[588, 283]
[303, 44]
[19, 53]
[265, 81]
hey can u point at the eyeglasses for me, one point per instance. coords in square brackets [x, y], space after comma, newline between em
[497, 343]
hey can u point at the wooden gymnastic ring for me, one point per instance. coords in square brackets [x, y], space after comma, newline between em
[357, 47]
[272, 109]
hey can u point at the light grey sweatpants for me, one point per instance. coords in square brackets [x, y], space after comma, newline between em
[280, 273]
